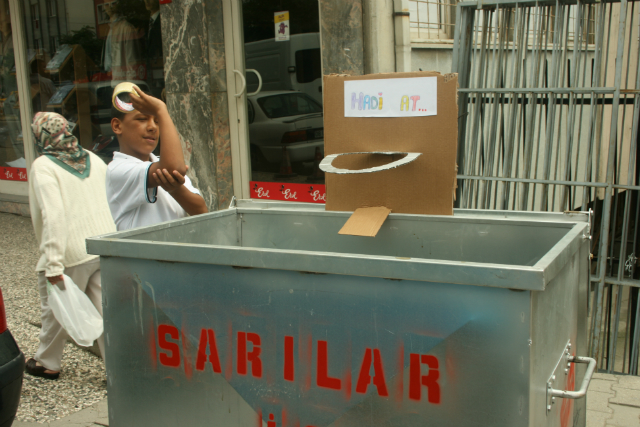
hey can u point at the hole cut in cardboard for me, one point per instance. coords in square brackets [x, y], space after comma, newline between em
[327, 163]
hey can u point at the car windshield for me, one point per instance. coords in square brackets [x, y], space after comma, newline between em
[288, 104]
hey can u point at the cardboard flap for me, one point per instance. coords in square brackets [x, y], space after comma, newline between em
[365, 221]
[424, 186]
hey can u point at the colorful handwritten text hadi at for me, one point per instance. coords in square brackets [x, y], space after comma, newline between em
[405, 97]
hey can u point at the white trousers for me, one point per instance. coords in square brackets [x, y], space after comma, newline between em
[52, 336]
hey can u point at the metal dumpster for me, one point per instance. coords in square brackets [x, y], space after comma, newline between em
[262, 315]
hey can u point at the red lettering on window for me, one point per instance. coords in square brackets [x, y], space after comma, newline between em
[288, 359]
[323, 379]
[364, 379]
[253, 356]
[174, 359]
[417, 380]
[208, 338]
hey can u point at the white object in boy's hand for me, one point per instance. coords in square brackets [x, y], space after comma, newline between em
[124, 87]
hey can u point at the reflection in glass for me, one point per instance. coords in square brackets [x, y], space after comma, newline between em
[286, 130]
[12, 160]
[79, 50]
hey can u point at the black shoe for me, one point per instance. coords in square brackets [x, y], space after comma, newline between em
[32, 368]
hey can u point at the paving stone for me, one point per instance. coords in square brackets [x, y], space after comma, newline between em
[624, 416]
[597, 419]
[103, 413]
[626, 396]
[600, 385]
[83, 380]
[629, 381]
[24, 424]
[606, 377]
[598, 401]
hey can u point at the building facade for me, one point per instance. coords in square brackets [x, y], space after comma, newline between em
[242, 78]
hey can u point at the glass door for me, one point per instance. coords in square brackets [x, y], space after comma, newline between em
[279, 82]
[13, 156]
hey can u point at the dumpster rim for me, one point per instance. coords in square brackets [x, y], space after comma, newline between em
[120, 244]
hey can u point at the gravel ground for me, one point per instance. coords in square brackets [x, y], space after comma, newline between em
[82, 380]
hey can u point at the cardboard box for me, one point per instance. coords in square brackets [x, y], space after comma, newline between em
[424, 186]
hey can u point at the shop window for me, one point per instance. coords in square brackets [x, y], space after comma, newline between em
[53, 43]
[286, 124]
[84, 58]
[287, 105]
[252, 112]
[12, 159]
[308, 65]
[35, 16]
[52, 8]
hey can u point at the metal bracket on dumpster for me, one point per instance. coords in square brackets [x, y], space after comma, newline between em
[564, 366]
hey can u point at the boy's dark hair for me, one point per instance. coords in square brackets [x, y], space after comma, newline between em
[117, 114]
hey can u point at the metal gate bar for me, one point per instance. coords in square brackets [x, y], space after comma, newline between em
[549, 106]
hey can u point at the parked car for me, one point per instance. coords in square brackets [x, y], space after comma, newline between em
[11, 371]
[288, 118]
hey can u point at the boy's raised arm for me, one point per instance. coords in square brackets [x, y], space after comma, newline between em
[171, 157]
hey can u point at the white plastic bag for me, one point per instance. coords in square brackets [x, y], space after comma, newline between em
[74, 310]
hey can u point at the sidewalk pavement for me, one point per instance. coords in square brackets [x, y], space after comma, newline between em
[93, 416]
[612, 400]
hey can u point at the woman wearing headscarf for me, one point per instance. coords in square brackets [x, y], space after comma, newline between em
[68, 203]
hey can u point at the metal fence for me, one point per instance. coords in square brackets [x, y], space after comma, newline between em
[435, 20]
[549, 107]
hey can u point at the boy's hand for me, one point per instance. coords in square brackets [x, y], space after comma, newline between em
[147, 104]
[171, 182]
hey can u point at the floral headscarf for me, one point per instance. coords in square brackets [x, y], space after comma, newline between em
[54, 140]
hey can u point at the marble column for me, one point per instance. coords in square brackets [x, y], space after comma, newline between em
[342, 37]
[195, 82]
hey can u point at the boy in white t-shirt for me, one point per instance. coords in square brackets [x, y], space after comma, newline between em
[143, 189]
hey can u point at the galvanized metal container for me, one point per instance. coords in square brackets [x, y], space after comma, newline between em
[262, 315]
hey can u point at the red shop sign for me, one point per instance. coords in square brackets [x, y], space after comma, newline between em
[310, 193]
[13, 174]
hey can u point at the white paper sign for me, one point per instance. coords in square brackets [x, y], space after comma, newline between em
[408, 97]
[281, 20]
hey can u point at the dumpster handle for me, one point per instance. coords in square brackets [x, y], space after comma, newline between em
[585, 382]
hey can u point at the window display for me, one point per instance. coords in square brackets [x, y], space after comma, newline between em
[286, 124]
[78, 51]
[12, 159]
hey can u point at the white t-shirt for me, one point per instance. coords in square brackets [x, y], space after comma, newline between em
[134, 205]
